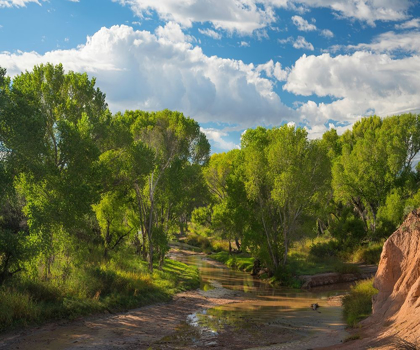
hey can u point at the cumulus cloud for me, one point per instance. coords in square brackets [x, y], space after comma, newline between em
[302, 24]
[216, 136]
[414, 23]
[368, 11]
[390, 42]
[272, 69]
[17, 3]
[244, 44]
[173, 32]
[316, 131]
[241, 16]
[211, 33]
[359, 84]
[301, 43]
[143, 70]
[247, 16]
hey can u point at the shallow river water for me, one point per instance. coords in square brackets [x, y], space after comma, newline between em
[264, 317]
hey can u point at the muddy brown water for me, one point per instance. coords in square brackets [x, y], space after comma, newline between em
[265, 317]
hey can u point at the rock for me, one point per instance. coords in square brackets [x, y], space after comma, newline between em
[397, 305]
[323, 279]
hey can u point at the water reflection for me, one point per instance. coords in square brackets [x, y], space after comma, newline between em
[268, 315]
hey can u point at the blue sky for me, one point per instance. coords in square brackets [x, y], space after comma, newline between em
[230, 64]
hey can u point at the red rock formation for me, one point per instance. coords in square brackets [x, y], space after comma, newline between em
[397, 305]
[396, 308]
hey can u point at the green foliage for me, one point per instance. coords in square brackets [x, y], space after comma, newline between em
[240, 261]
[122, 284]
[358, 304]
[322, 250]
[369, 254]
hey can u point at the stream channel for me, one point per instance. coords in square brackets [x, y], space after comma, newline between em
[263, 317]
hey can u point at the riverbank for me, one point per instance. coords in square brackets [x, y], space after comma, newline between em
[118, 285]
[219, 318]
[137, 329]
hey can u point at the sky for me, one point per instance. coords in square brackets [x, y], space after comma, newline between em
[229, 64]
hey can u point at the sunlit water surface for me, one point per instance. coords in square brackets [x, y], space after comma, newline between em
[266, 316]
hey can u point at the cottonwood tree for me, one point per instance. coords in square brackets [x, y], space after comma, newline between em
[51, 129]
[376, 161]
[285, 175]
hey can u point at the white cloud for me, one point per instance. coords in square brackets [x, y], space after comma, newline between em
[211, 33]
[273, 70]
[317, 131]
[16, 3]
[301, 43]
[244, 44]
[74, 0]
[414, 23]
[173, 33]
[247, 16]
[359, 84]
[368, 11]
[390, 41]
[327, 33]
[216, 136]
[241, 16]
[302, 24]
[142, 70]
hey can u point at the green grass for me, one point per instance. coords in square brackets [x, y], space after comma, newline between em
[300, 264]
[369, 254]
[201, 238]
[240, 261]
[116, 286]
[358, 304]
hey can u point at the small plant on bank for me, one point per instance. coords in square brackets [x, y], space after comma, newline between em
[352, 337]
[358, 304]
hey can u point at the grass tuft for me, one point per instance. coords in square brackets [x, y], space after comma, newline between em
[358, 304]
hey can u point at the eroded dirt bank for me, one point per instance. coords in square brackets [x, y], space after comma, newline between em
[396, 308]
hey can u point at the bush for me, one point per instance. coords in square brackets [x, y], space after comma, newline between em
[344, 268]
[370, 254]
[198, 241]
[324, 250]
[358, 304]
[16, 308]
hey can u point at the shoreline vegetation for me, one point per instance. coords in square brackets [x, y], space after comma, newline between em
[117, 286]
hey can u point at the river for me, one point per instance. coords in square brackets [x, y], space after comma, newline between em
[232, 310]
[265, 317]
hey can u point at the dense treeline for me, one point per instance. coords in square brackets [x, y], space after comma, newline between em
[82, 188]
[282, 187]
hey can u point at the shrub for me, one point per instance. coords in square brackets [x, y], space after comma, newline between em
[16, 308]
[344, 268]
[370, 254]
[357, 305]
[324, 250]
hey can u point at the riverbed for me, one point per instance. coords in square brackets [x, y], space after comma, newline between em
[231, 310]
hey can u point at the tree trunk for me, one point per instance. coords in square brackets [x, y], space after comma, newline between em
[149, 234]
[238, 245]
